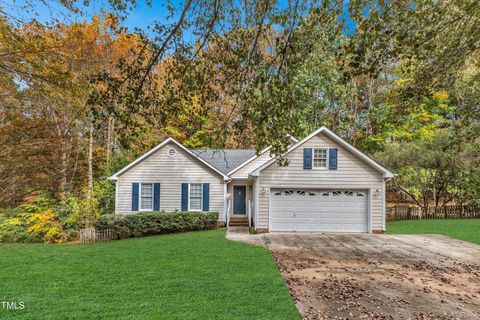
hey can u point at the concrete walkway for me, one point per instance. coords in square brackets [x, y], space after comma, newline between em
[242, 234]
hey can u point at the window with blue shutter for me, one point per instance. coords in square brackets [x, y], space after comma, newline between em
[184, 196]
[307, 158]
[206, 196]
[332, 158]
[156, 196]
[135, 188]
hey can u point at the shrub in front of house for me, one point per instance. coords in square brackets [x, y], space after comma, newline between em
[152, 223]
[14, 229]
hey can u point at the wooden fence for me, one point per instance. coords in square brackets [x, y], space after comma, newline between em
[91, 235]
[417, 213]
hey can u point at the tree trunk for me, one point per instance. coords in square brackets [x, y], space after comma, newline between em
[14, 195]
[90, 169]
[63, 166]
[110, 139]
[425, 205]
[113, 145]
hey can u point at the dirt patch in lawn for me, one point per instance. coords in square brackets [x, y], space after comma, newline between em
[338, 278]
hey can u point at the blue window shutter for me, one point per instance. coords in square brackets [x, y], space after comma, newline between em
[135, 187]
[156, 196]
[332, 159]
[206, 196]
[307, 158]
[184, 196]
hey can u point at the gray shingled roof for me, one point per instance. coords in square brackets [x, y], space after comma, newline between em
[225, 160]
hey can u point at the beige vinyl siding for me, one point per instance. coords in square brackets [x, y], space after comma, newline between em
[170, 173]
[243, 172]
[351, 173]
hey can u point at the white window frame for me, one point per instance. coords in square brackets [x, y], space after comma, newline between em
[326, 159]
[201, 197]
[140, 196]
[174, 152]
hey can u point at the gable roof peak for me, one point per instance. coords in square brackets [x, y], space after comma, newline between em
[386, 173]
[154, 150]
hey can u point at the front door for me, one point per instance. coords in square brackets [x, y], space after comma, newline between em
[239, 196]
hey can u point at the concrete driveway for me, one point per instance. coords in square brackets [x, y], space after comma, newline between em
[364, 276]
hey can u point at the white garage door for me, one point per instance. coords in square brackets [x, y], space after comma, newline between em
[318, 210]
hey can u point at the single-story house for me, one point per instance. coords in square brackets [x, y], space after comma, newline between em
[328, 185]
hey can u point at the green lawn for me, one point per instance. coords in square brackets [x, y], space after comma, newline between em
[463, 229]
[197, 275]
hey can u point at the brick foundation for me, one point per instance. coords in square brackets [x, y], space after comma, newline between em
[378, 231]
[220, 224]
[262, 230]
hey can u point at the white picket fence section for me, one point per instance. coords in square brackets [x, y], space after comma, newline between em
[91, 235]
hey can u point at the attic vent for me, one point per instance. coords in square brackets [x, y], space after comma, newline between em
[172, 152]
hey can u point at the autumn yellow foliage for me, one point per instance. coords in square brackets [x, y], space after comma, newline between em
[46, 225]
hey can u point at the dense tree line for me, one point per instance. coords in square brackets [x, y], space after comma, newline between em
[398, 79]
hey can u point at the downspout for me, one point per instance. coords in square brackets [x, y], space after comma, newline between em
[384, 203]
[257, 194]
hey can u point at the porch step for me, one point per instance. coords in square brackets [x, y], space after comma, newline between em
[238, 230]
[238, 222]
[238, 218]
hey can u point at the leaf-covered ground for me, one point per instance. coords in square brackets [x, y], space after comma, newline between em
[364, 276]
[197, 275]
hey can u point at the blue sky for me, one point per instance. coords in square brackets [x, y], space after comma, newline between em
[141, 17]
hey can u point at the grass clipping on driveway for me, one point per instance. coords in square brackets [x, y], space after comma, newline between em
[463, 229]
[196, 275]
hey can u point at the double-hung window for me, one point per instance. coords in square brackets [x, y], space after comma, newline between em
[195, 197]
[146, 196]
[320, 157]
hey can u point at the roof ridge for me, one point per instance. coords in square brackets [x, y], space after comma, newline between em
[224, 160]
